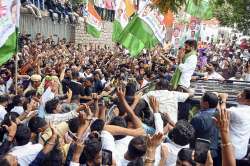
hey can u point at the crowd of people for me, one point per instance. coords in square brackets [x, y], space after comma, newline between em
[87, 105]
[61, 9]
[65, 10]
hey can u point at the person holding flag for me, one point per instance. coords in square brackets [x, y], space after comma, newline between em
[187, 61]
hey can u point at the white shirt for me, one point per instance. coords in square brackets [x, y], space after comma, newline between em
[121, 147]
[2, 89]
[234, 79]
[168, 101]
[246, 77]
[187, 70]
[8, 85]
[158, 123]
[99, 3]
[144, 83]
[3, 112]
[108, 143]
[214, 76]
[17, 109]
[173, 150]
[240, 129]
[60, 117]
[27, 153]
[103, 81]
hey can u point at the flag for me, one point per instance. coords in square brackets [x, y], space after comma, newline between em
[9, 18]
[169, 19]
[94, 24]
[123, 10]
[145, 30]
[203, 10]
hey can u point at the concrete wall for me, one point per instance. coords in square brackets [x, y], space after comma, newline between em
[105, 39]
[77, 33]
[31, 25]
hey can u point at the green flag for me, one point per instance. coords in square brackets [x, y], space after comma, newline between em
[8, 49]
[136, 36]
[203, 10]
[9, 18]
[144, 30]
[123, 10]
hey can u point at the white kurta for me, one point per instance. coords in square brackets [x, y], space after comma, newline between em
[187, 70]
[240, 129]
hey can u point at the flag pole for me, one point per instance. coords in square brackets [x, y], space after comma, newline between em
[16, 60]
[16, 73]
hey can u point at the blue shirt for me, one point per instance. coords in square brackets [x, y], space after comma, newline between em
[148, 129]
[205, 128]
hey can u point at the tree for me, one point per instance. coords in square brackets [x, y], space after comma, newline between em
[233, 13]
[173, 5]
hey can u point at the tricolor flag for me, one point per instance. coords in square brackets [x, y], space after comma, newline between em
[94, 21]
[124, 9]
[9, 22]
[145, 30]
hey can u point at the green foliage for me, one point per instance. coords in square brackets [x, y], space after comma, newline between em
[173, 5]
[233, 12]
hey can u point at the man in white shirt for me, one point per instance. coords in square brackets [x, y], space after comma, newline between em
[180, 137]
[55, 115]
[141, 82]
[25, 151]
[18, 101]
[237, 77]
[168, 100]
[240, 124]
[187, 64]
[136, 148]
[211, 72]
[119, 144]
[2, 87]
[3, 104]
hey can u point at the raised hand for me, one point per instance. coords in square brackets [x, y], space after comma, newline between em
[11, 130]
[120, 93]
[154, 104]
[222, 120]
[95, 96]
[69, 94]
[53, 131]
[155, 140]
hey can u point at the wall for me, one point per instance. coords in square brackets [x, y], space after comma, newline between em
[30, 25]
[84, 38]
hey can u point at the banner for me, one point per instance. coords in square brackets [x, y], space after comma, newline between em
[9, 22]
[155, 21]
[124, 9]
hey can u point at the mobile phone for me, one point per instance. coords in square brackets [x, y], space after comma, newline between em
[106, 157]
[201, 150]
[72, 136]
